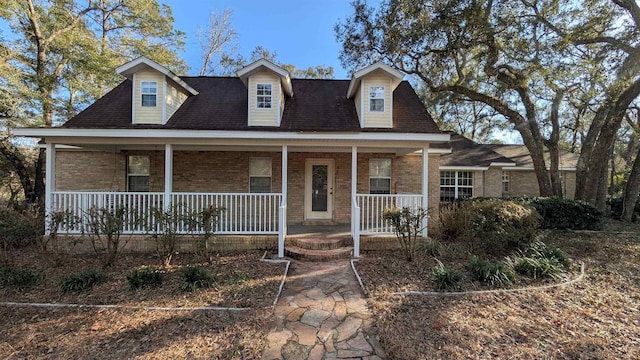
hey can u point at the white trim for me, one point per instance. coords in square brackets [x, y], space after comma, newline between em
[168, 175]
[50, 184]
[439, 151]
[270, 97]
[362, 109]
[503, 164]
[530, 168]
[245, 73]
[164, 101]
[256, 176]
[129, 70]
[425, 188]
[390, 104]
[463, 168]
[395, 75]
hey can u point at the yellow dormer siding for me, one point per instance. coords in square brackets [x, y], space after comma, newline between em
[264, 99]
[148, 114]
[380, 84]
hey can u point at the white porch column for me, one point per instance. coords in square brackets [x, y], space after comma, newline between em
[282, 233]
[50, 183]
[168, 175]
[355, 221]
[425, 187]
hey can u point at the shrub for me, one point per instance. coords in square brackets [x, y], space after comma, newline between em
[105, 226]
[615, 204]
[164, 231]
[206, 221]
[431, 247]
[196, 277]
[146, 277]
[445, 279]
[539, 262]
[450, 223]
[500, 226]
[540, 250]
[19, 228]
[563, 214]
[83, 280]
[19, 278]
[497, 274]
[407, 224]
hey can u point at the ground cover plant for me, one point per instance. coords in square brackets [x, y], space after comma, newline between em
[241, 280]
[595, 318]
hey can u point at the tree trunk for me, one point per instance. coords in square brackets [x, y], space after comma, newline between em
[631, 191]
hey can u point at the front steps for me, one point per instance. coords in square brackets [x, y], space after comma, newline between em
[318, 247]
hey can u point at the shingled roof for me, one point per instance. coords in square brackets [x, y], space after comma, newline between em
[317, 105]
[465, 152]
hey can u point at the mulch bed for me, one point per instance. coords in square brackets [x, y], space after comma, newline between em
[596, 318]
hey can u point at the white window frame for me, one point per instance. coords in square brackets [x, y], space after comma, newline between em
[506, 181]
[380, 177]
[458, 177]
[147, 175]
[376, 93]
[149, 88]
[251, 175]
[264, 100]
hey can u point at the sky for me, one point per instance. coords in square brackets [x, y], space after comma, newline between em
[300, 32]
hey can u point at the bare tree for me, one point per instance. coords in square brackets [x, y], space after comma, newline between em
[217, 41]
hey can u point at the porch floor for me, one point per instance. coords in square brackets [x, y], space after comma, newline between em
[319, 230]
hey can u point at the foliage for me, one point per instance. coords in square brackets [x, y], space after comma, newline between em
[407, 224]
[57, 219]
[494, 273]
[539, 261]
[206, 221]
[196, 277]
[431, 247]
[146, 277]
[450, 222]
[445, 279]
[19, 278]
[163, 231]
[81, 281]
[104, 229]
[615, 206]
[19, 228]
[558, 213]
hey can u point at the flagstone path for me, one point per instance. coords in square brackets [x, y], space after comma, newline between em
[322, 314]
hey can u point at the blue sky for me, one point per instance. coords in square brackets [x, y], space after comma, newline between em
[301, 32]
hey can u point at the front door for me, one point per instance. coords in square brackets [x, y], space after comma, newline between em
[318, 189]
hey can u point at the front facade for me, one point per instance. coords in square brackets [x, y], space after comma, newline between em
[271, 150]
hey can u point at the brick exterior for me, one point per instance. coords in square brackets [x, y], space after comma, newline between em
[492, 186]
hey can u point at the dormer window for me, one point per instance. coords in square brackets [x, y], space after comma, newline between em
[149, 91]
[376, 98]
[263, 100]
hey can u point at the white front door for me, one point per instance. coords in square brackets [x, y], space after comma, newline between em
[318, 189]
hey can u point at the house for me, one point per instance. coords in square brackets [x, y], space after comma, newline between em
[495, 170]
[273, 151]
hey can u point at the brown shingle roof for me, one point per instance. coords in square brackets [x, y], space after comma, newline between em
[317, 105]
[520, 154]
[465, 152]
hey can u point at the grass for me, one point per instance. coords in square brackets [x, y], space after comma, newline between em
[596, 318]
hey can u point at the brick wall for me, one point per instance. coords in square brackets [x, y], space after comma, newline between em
[493, 182]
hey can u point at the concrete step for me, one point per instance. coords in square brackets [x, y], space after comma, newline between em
[318, 255]
[319, 242]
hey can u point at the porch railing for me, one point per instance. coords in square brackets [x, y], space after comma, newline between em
[372, 206]
[244, 213]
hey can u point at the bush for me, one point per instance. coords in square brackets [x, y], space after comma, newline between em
[80, 281]
[450, 223]
[19, 278]
[407, 224]
[20, 228]
[431, 247]
[537, 268]
[146, 277]
[105, 227]
[615, 204]
[445, 279]
[196, 277]
[563, 214]
[164, 231]
[497, 274]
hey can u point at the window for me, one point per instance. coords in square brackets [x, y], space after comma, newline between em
[505, 181]
[138, 173]
[380, 176]
[376, 98]
[149, 91]
[455, 185]
[264, 96]
[259, 175]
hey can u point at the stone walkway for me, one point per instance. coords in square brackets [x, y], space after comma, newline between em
[322, 315]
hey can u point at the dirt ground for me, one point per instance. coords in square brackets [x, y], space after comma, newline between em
[596, 318]
[63, 333]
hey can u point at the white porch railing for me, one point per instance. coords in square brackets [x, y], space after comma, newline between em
[244, 213]
[355, 226]
[372, 206]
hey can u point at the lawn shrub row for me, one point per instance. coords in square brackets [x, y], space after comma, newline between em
[83, 280]
[564, 214]
[615, 204]
[19, 278]
[146, 277]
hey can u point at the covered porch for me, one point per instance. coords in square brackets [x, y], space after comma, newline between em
[343, 189]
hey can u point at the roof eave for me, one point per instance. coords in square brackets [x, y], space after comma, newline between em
[257, 66]
[127, 70]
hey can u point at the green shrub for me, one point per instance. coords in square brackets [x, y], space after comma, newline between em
[20, 228]
[19, 278]
[450, 223]
[537, 268]
[500, 226]
[615, 205]
[445, 279]
[431, 247]
[146, 277]
[83, 280]
[540, 250]
[407, 224]
[196, 277]
[563, 214]
[496, 274]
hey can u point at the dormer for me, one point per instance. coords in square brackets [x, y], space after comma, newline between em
[267, 86]
[372, 91]
[157, 92]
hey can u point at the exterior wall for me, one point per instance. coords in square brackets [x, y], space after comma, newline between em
[493, 183]
[175, 98]
[357, 99]
[377, 119]
[264, 117]
[478, 183]
[569, 184]
[523, 183]
[148, 115]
